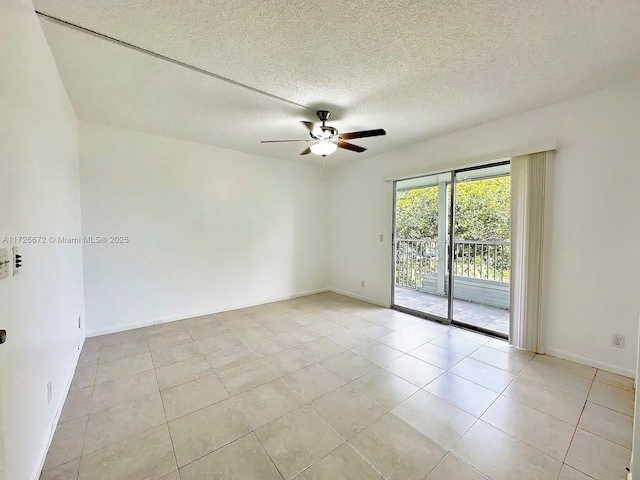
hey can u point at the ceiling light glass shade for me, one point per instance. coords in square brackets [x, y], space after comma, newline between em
[323, 147]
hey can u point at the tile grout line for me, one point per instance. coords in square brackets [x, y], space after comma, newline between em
[267, 454]
[449, 451]
[593, 382]
[200, 409]
[477, 419]
[305, 404]
[575, 431]
[507, 433]
[164, 410]
[352, 381]
[146, 430]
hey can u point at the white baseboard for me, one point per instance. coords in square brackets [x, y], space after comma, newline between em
[591, 362]
[310, 292]
[359, 297]
[551, 351]
[56, 418]
[174, 318]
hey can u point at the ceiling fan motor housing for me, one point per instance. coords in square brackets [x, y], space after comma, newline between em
[323, 115]
[328, 132]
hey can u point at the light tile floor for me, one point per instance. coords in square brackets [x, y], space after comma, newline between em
[327, 387]
[491, 318]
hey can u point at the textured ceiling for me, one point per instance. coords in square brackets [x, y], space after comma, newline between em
[415, 68]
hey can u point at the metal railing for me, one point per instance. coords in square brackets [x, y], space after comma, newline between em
[413, 259]
[476, 259]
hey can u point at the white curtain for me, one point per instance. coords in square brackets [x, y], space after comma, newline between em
[526, 327]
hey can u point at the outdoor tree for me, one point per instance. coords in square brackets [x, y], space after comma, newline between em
[482, 211]
[417, 213]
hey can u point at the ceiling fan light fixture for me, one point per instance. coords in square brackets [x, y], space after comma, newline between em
[325, 139]
[323, 147]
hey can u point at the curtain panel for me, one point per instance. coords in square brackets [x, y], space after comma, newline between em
[528, 177]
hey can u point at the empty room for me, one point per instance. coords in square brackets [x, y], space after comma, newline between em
[246, 240]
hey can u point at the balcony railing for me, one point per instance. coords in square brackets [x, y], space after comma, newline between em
[488, 260]
[413, 259]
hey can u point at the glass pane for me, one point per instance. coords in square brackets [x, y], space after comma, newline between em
[481, 253]
[420, 245]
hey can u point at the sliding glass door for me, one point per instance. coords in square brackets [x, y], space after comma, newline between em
[426, 227]
[481, 255]
[421, 230]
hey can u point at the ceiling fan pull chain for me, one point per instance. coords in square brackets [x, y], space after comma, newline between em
[324, 166]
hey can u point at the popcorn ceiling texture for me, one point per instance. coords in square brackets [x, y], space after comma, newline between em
[419, 69]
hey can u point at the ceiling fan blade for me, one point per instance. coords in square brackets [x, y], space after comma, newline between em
[278, 141]
[306, 151]
[362, 134]
[350, 146]
[310, 126]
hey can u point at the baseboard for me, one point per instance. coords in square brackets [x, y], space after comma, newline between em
[174, 318]
[56, 417]
[551, 351]
[359, 297]
[304, 294]
[591, 362]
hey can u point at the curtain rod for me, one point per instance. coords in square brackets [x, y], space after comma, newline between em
[487, 158]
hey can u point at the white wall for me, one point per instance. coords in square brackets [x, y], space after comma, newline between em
[635, 453]
[593, 233]
[40, 196]
[209, 229]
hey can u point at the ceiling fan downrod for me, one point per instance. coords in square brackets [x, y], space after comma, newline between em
[323, 115]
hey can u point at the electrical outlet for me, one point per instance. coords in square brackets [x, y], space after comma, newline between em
[362, 283]
[381, 238]
[617, 340]
[48, 392]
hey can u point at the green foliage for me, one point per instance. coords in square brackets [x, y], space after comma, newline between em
[417, 213]
[482, 211]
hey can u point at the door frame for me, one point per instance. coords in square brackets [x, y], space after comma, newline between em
[449, 260]
[3, 457]
[400, 308]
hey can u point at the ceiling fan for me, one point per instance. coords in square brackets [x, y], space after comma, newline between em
[328, 140]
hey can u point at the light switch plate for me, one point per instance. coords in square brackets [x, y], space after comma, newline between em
[15, 252]
[4, 263]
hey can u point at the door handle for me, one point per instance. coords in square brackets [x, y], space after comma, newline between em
[3, 336]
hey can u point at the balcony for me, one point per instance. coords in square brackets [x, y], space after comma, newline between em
[481, 280]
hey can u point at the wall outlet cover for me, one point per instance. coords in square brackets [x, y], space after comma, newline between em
[16, 260]
[617, 340]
